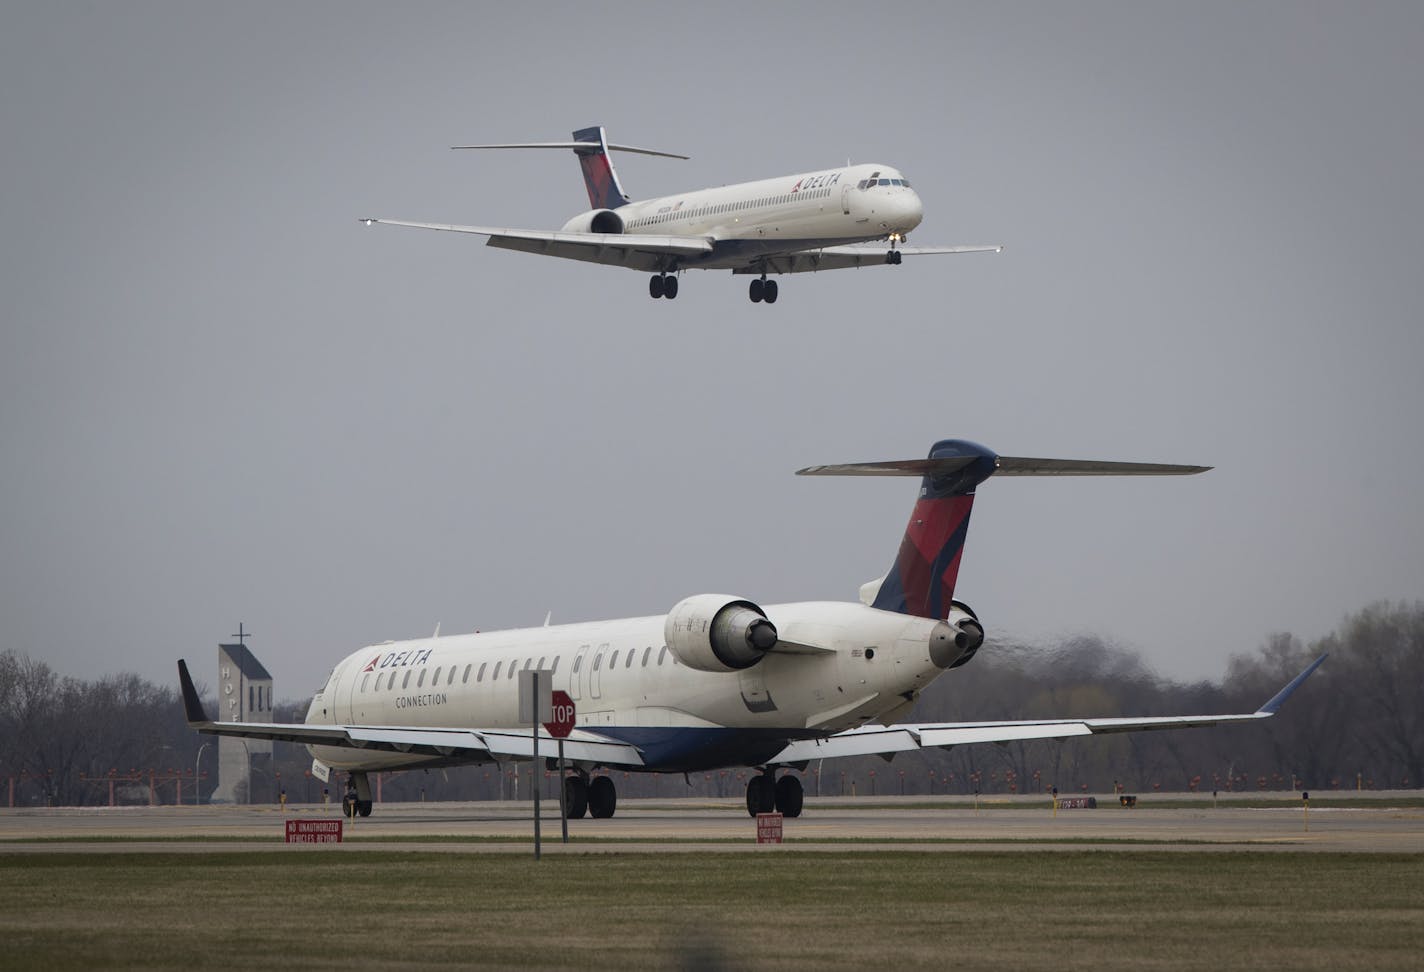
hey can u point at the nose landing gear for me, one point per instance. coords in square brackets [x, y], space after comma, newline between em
[893, 257]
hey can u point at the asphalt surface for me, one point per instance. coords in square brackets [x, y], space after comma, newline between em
[699, 825]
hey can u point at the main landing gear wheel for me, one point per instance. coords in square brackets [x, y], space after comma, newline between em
[662, 285]
[762, 289]
[789, 796]
[602, 797]
[357, 801]
[576, 797]
[761, 795]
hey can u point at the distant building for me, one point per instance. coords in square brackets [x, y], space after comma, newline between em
[244, 695]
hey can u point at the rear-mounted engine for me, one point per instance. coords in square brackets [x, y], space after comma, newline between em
[956, 638]
[718, 633]
[595, 221]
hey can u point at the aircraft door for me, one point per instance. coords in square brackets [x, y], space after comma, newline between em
[595, 677]
[576, 673]
[845, 200]
[344, 681]
[354, 699]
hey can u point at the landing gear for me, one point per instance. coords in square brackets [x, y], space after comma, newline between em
[789, 796]
[762, 289]
[575, 797]
[602, 797]
[761, 794]
[893, 257]
[357, 801]
[662, 285]
[765, 794]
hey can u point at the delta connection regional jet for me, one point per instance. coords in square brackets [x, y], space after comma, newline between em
[854, 216]
[719, 681]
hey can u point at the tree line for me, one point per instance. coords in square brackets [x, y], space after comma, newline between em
[1358, 722]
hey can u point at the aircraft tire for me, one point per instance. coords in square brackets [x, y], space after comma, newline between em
[363, 807]
[768, 292]
[655, 286]
[602, 797]
[789, 796]
[761, 795]
[575, 797]
[670, 287]
[755, 290]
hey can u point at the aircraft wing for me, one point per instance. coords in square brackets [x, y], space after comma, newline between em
[646, 253]
[472, 745]
[877, 740]
[849, 256]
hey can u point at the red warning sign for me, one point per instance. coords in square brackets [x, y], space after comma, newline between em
[769, 828]
[314, 831]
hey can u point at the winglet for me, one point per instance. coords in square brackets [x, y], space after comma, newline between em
[1280, 697]
[192, 705]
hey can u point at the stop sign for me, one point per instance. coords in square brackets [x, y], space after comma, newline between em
[563, 722]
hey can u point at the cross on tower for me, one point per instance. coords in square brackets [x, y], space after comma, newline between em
[241, 635]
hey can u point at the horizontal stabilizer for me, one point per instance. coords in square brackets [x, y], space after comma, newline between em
[575, 145]
[1003, 466]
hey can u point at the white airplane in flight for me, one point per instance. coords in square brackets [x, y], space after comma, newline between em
[824, 220]
[718, 681]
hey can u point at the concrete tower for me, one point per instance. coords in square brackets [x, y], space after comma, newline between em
[244, 695]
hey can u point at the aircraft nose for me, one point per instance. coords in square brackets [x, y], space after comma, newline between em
[901, 211]
[914, 210]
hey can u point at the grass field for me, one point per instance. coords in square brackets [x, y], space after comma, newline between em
[1065, 910]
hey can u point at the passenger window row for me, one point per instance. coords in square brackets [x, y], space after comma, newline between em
[387, 680]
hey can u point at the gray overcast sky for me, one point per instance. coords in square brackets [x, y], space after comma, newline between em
[222, 399]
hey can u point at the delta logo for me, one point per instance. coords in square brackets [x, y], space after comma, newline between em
[816, 181]
[398, 659]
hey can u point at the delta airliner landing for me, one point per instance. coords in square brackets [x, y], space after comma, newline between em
[853, 216]
[718, 681]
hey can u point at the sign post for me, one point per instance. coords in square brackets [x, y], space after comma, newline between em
[535, 706]
[560, 724]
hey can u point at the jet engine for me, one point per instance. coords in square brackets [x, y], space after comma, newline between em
[955, 639]
[718, 633]
[595, 221]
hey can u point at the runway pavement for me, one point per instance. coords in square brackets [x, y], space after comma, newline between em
[669, 826]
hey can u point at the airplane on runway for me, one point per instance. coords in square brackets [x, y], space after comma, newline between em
[718, 681]
[823, 220]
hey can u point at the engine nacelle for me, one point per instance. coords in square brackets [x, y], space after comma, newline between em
[718, 633]
[955, 639]
[595, 221]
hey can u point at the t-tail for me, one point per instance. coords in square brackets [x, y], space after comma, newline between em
[599, 177]
[591, 145]
[922, 579]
